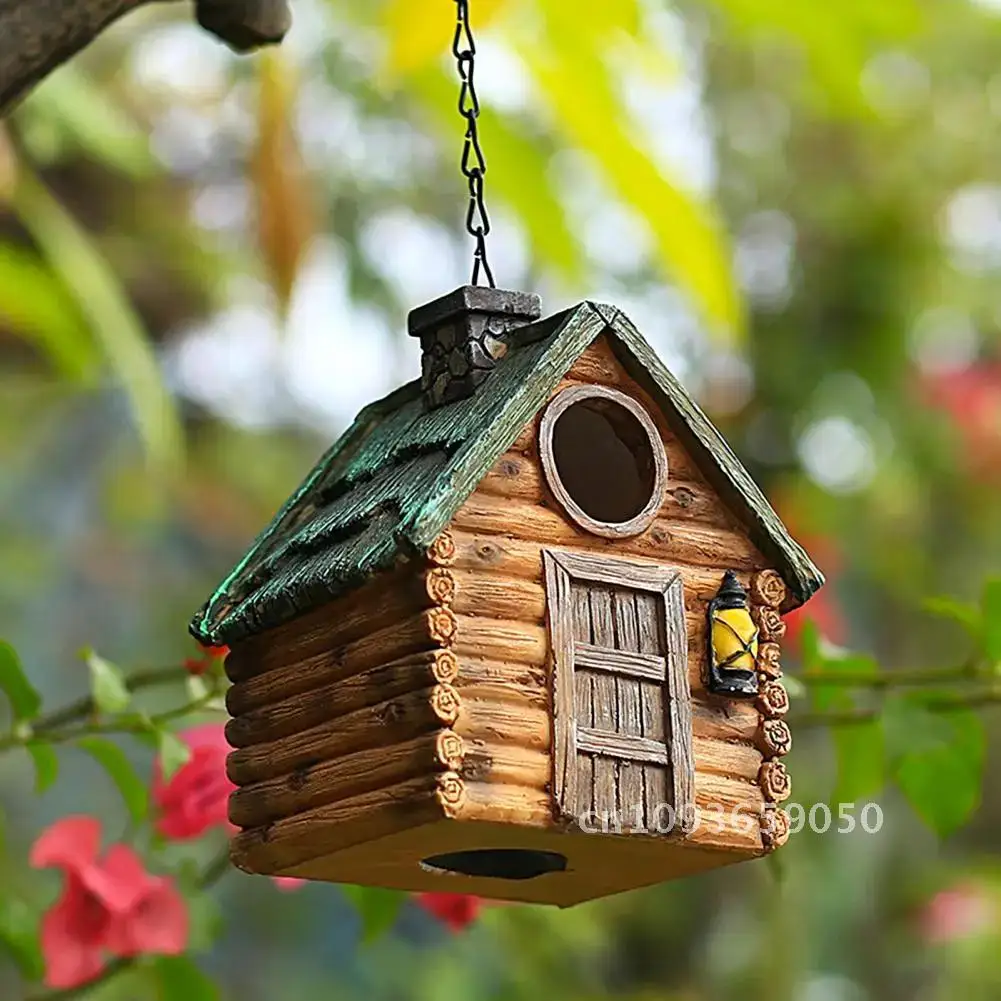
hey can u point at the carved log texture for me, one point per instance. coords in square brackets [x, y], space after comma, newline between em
[36, 36]
[769, 623]
[774, 738]
[451, 793]
[774, 827]
[775, 782]
[773, 699]
[440, 586]
[770, 660]
[768, 588]
[441, 552]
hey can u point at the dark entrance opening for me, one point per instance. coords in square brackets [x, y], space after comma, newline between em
[498, 863]
[604, 457]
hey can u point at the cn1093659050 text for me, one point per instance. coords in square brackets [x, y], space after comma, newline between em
[820, 818]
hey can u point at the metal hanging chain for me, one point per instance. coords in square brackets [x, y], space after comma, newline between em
[473, 164]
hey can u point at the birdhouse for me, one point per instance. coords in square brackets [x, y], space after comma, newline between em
[517, 633]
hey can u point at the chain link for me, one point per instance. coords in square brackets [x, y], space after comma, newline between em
[473, 164]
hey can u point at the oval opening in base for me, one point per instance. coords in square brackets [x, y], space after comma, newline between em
[497, 863]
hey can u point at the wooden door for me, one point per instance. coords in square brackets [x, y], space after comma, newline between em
[621, 700]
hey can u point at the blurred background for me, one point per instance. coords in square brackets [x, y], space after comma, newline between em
[206, 263]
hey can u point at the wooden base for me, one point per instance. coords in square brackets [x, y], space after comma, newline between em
[598, 865]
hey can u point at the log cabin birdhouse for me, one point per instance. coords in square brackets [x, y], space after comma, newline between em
[517, 633]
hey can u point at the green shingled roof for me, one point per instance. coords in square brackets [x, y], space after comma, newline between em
[394, 480]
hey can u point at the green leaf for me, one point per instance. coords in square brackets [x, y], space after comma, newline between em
[574, 77]
[35, 305]
[92, 283]
[205, 922]
[179, 979]
[419, 33]
[809, 645]
[830, 660]
[43, 754]
[25, 702]
[377, 908]
[837, 40]
[174, 753]
[88, 115]
[990, 604]
[107, 684]
[795, 688]
[968, 616]
[115, 762]
[19, 937]
[861, 757]
[938, 761]
[197, 688]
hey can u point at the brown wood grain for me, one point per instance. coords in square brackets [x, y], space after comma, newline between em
[619, 663]
[657, 782]
[361, 771]
[310, 708]
[380, 603]
[500, 639]
[680, 702]
[397, 718]
[666, 539]
[518, 725]
[630, 787]
[505, 764]
[509, 556]
[605, 707]
[727, 759]
[496, 596]
[564, 699]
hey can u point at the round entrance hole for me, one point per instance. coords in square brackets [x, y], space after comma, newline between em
[603, 459]
[497, 863]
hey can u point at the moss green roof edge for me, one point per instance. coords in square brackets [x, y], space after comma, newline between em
[492, 429]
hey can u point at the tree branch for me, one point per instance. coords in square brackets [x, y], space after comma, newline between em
[36, 36]
[938, 703]
[889, 679]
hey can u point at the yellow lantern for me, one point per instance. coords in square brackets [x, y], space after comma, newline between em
[733, 642]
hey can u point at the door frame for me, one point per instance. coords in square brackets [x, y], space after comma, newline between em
[562, 568]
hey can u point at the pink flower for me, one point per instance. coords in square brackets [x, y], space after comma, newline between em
[195, 799]
[957, 913]
[110, 904]
[455, 910]
[288, 883]
[206, 659]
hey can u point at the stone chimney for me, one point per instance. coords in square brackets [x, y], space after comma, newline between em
[463, 335]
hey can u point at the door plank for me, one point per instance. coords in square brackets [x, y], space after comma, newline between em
[580, 617]
[605, 695]
[614, 745]
[680, 705]
[631, 786]
[619, 662]
[656, 788]
[558, 589]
